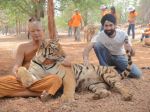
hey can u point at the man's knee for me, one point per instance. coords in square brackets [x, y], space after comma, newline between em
[56, 80]
[98, 46]
[135, 72]
[135, 75]
[9, 77]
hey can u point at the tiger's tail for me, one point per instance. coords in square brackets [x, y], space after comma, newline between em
[127, 71]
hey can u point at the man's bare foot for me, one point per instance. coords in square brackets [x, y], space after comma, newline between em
[45, 96]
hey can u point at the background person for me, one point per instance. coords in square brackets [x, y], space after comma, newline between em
[110, 45]
[77, 21]
[131, 19]
[11, 86]
[70, 27]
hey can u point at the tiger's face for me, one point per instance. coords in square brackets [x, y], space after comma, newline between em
[49, 50]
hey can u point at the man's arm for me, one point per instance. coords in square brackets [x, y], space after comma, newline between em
[86, 53]
[19, 58]
[128, 46]
[66, 62]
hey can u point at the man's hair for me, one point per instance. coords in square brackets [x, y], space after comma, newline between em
[113, 9]
[35, 23]
[108, 17]
[32, 19]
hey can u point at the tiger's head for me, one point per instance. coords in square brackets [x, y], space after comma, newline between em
[51, 50]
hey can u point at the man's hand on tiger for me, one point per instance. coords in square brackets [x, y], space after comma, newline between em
[15, 70]
[130, 49]
[86, 62]
[66, 63]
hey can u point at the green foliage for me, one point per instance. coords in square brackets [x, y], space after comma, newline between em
[12, 10]
[89, 10]
[19, 9]
[144, 11]
[61, 23]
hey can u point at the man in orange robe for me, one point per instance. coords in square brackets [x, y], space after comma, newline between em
[11, 86]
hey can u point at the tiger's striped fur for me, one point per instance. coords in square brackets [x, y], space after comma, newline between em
[48, 50]
[95, 78]
[98, 79]
[53, 51]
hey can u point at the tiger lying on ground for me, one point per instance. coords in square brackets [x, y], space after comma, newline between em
[95, 78]
[99, 79]
[89, 31]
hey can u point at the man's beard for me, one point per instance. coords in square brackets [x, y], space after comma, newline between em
[109, 32]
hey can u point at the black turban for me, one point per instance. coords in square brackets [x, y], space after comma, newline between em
[108, 17]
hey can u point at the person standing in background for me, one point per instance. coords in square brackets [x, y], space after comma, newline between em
[104, 11]
[70, 27]
[131, 19]
[77, 21]
[113, 12]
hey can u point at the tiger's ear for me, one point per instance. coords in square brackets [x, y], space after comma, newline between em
[43, 44]
[55, 40]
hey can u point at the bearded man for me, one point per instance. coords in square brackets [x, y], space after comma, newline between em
[110, 45]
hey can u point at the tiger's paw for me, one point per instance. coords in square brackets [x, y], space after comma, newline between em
[101, 94]
[45, 96]
[25, 77]
[127, 97]
[66, 98]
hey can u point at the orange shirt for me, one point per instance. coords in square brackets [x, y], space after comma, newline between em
[147, 31]
[132, 17]
[70, 23]
[77, 19]
[104, 12]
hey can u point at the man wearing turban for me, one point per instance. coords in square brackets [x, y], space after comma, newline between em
[110, 45]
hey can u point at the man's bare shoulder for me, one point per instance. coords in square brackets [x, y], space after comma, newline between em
[23, 46]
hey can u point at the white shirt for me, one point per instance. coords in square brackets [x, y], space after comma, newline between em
[114, 45]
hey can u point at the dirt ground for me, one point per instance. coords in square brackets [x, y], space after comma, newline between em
[83, 103]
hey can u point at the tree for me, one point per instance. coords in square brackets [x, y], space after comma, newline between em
[144, 10]
[18, 11]
[51, 21]
[89, 9]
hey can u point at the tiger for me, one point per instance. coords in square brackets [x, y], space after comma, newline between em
[89, 31]
[52, 50]
[98, 79]
[95, 78]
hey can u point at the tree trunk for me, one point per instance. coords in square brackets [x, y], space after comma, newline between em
[17, 30]
[51, 21]
[86, 18]
[39, 8]
[19, 26]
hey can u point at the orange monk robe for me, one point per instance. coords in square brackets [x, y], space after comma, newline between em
[10, 86]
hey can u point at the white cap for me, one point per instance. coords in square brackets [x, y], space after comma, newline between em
[103, 7]
[131, 8]
[76, 9]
